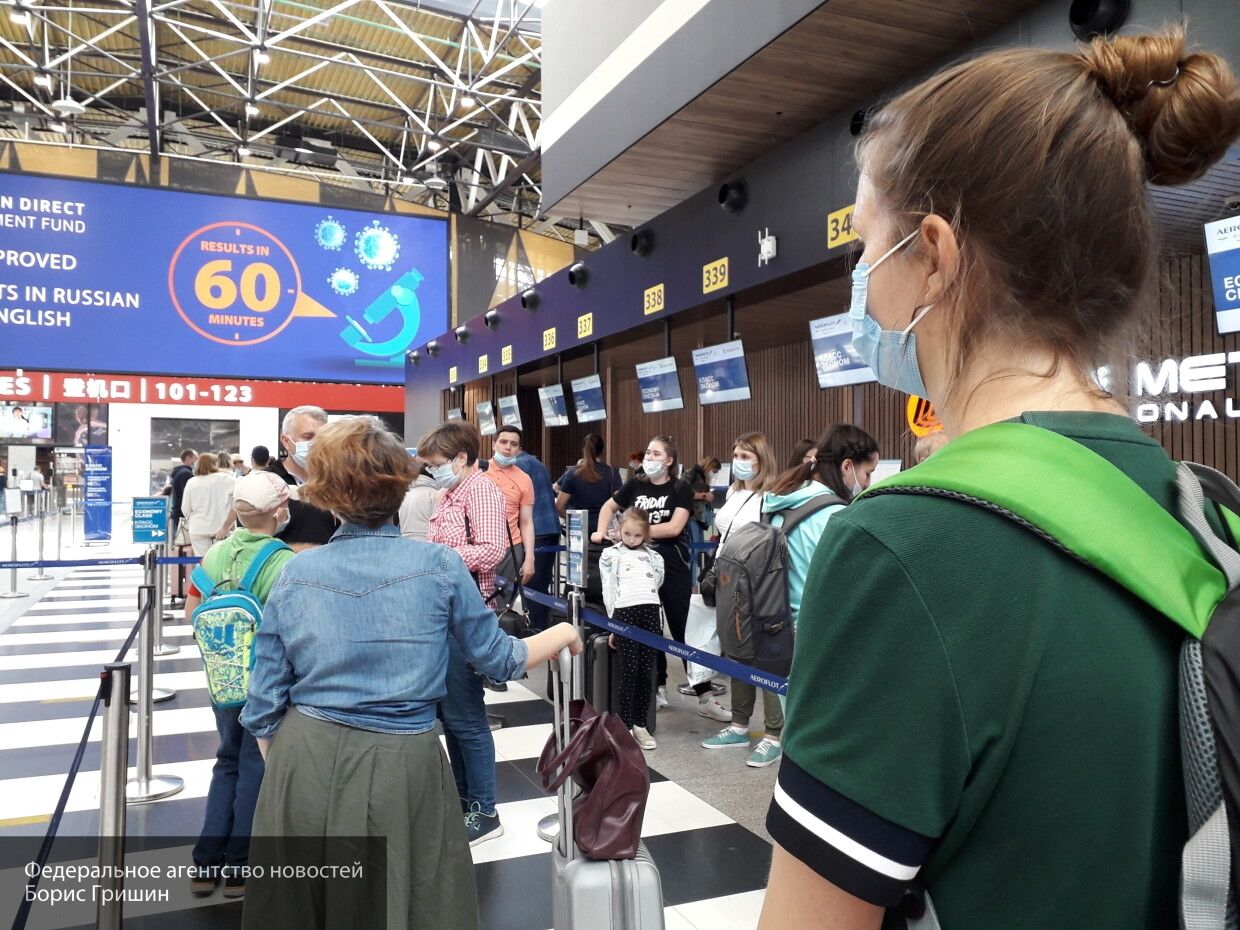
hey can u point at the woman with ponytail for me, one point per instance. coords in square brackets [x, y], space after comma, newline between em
[973, 714]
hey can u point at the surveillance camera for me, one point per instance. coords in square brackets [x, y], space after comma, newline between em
[432, 348]
[1232, 201]
[414, 356]
[461, 333]
[529, 300]
[491, 319]
[577, 275]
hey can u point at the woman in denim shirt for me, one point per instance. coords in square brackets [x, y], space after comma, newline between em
[354, 642]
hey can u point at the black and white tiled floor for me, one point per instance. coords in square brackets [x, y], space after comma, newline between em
[713, 869]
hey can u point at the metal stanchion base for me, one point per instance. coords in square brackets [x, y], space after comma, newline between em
[6, 595]
[160, 786]
[549, 828]
[167, 649]
[42, 576]
[158, 696]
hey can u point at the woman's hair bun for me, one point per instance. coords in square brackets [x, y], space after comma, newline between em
[1183, 106]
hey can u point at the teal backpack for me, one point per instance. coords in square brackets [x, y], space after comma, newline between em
[224, 627]
[1180, 567]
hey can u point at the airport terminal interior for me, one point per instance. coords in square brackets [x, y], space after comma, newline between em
[620, 279]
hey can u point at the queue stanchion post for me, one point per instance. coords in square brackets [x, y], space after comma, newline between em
[60, 520]
[152, 623]
[145, 785]
[156, 578]
[40, 503]
[578, 563]
[113, 767]
[12, 592]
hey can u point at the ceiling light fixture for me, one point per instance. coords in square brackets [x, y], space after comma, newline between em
[243, 151]
[43, 80]
[262, 57]
[468, 102]
[251, 109]
[58, 127]
[19, 16]
[434, 145]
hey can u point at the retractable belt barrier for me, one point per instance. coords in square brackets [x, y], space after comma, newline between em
[95, 563]
[759, 679]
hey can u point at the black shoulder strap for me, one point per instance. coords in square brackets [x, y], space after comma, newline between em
[795, 515]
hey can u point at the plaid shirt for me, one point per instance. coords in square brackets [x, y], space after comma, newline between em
[478, 499]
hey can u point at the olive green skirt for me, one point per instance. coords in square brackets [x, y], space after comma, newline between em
[359, 830]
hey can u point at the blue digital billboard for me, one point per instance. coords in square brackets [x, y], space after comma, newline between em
[114, 278]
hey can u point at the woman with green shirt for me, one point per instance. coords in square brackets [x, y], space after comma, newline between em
[973, 712]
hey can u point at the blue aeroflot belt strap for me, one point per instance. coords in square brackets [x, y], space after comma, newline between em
[759, 679]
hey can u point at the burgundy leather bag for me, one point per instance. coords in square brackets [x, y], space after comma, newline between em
[603, 758]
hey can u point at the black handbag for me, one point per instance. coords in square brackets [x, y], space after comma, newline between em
[708, 583]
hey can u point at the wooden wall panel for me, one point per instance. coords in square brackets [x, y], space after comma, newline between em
[787, 403]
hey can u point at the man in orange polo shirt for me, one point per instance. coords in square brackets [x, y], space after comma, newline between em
[518, 492]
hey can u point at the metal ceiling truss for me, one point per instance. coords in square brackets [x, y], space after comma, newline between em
[429, 104]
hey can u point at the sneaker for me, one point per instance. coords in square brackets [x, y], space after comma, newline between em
[481, 827]
[687, 689]
[661, 701]
[494, 685]
[709, 707]
[767, 752]
[643, 737]
[728, 736]
[203, 882]
[234, 885]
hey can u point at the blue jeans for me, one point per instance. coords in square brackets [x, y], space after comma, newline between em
[544, 567]
[235, 780]
[471, 749]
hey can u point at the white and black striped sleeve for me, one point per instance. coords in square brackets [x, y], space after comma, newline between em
[853, 848]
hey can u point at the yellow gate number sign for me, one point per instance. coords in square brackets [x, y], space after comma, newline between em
[840, 227]
[585, 325]
[505, 355]
[483, 363]
[715, 275]
[652, 302]
[452, 374]
[549, 338]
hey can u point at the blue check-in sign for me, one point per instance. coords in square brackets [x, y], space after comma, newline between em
[150, 520]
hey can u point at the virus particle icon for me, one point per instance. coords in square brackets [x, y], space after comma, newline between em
[331, 234]
[344, 281]
[377, 247]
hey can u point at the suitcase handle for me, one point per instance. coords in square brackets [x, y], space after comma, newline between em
[562, 672]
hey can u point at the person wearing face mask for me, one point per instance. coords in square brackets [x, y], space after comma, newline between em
[261, 503]
[668, 503]
[518, 493]
[1002, 730]
[470, 517]
[753, 471]
[308, 526]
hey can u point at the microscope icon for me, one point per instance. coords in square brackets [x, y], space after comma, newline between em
[400, 298]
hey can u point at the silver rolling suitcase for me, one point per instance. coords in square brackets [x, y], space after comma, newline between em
[593, 894]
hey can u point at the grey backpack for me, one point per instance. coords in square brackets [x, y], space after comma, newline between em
[752, 606]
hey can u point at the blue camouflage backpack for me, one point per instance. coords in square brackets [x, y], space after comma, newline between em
[224, 627]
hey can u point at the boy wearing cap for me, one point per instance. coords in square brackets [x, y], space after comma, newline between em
[261, 503]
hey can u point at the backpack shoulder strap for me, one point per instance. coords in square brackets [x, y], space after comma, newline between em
[202, 581]
[794, 516]
[260, 561]
[1079, 502]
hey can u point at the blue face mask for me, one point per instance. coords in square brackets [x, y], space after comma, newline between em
[504, 460]
[891, 355]
[743, 469]
[301, 451]
[444, 476]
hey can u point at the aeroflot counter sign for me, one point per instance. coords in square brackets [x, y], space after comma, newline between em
[1223, 249]
[114, 278]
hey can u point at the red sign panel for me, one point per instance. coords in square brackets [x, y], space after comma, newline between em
[198, 392]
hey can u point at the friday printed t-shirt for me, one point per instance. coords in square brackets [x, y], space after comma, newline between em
[975, 711]
[661, 501]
